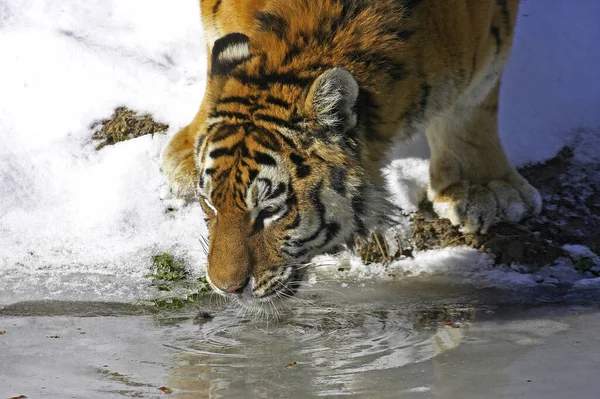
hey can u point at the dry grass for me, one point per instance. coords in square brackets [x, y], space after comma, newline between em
[125, 124]
[377, 250]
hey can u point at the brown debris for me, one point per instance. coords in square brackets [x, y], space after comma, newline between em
[571, 215]
[123, 125]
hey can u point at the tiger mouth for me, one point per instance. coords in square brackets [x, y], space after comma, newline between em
[280, 287]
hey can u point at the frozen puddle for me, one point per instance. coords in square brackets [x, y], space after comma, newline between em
[378, 340]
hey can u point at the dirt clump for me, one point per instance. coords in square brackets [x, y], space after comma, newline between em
[125, 124]
[571, 215]
[507, 242]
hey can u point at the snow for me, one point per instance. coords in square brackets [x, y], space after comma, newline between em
[551, 85]
[70, 215]
[82, 225]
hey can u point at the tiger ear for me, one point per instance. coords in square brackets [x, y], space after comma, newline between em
[332, 97]
[228, 52]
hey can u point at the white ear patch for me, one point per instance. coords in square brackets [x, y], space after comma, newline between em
[228, 52]
[235, 53]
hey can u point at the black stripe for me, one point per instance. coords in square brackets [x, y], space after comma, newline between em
[288, 141]
[314, 197]
[220, 152]
[291, 200]
[241, 146]
[351, 9]
[231, 114]
[333, 229]
[264, 159]
[240, 202]
[426, 92]
[358, 204]
[419, 111]
[295, 223]
[275, 120]
[302, 169]
[473, 67]
[505, 16]
[258, 224]
[277, 192]
[224, 151]
[266, 80]
[278, 101]
[359, 209]
[224, 132]
[211, 127]
[210, 171]
[494, 31]
[216, 6]
[369, 108]
[361, 227]
[273, 23]
[266, 182]
[337, 179]
[252, 173]
[369, 115]
[410, 5]
[222, 174]
[323, 33]
[394, 69]
[292, 52]
[238, 176]
[301, 253]
[199, 142]
[236, 100]
[267, 139]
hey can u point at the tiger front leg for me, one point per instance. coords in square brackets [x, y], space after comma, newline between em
[179, 163]
[472, 182]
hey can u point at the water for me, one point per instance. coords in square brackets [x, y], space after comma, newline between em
[374, 341]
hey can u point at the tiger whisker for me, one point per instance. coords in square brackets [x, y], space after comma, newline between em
[322, 290]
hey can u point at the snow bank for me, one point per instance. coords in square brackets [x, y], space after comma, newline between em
[68, 213]
[81, 224]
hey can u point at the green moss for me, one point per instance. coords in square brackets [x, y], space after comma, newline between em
[583, 264]
[166, 268]
[123, 125]
[177, 303]
[169, 274]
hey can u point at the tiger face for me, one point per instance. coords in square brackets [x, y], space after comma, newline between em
[275, 196]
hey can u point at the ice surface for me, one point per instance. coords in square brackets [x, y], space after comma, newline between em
[81, 224]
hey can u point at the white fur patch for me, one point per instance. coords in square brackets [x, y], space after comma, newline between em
[235, 52]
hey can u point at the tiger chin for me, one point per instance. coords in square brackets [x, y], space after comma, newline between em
[304, 100]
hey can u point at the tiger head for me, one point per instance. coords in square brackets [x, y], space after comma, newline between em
[281, 180]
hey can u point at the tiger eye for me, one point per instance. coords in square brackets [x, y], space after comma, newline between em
[271, 208]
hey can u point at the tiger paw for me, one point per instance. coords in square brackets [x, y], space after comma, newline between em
[179, 167]
[477, 207]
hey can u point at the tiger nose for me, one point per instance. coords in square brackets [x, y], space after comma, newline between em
[234, 288]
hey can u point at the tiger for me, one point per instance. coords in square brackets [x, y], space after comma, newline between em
[304, 100]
